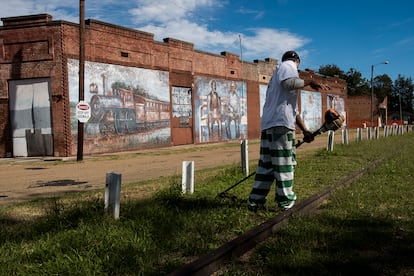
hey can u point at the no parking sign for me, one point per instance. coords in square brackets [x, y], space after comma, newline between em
[83, 111]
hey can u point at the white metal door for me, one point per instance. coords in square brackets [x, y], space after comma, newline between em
[30, 117]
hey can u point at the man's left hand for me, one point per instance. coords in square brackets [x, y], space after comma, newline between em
[308, 136]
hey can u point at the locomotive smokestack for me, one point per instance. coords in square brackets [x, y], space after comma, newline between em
[104, 83]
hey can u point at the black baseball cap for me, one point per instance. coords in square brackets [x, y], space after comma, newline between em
[290, 55]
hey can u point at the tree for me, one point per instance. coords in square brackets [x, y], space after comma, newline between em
[402, 98]
[331, 70]
[382, 87]
[357, 85]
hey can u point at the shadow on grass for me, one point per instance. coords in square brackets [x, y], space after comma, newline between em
[155, 235]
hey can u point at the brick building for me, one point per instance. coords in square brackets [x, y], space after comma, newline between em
[141, 92]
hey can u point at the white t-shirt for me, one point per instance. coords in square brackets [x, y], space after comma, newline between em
[281, 104]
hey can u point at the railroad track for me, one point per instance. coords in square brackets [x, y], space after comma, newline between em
[212, 262]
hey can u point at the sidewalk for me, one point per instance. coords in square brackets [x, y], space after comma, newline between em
[30, 178]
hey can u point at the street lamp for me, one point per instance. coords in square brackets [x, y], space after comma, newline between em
[372, 86]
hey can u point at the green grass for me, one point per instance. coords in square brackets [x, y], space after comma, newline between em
[366, 227]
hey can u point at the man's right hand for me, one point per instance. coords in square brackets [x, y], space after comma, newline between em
[315, 85]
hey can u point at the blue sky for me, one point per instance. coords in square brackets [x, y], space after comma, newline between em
[349, 34]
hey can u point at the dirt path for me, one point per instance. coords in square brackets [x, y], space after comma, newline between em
[27, 179]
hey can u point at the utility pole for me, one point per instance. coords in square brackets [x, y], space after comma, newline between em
[81, 73]
[372, 89]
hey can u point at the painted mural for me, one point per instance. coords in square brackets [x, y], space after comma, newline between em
[337, 102]
[220, 109]
[311, 109]
[262, 91]
[128, 105]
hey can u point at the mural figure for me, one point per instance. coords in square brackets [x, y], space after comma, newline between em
[214, 109]
[233, 111]
[337, 102]
[311, 109]
[220, 110]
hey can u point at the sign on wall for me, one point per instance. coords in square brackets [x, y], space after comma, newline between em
[181, 102]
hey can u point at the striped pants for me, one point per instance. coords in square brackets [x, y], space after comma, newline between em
[277, 162]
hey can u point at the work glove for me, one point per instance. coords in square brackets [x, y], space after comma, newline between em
[308, 136]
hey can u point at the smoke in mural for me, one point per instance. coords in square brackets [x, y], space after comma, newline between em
[130, 105]
[220, 110]
[262, 91]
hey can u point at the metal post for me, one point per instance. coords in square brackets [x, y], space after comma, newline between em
[113, 194]
[372, 89]
[187, 184]
[81, 74]
[376, 132]
[372, 92]
[244, 156]
[359, 134]
[345, 136]
[401, 116]
[331, 136]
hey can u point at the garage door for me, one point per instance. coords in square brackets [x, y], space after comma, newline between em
[30, 117]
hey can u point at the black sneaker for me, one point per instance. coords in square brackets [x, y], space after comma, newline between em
[252, 206]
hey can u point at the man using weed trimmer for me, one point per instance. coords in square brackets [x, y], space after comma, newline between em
[277, 143]
[333, 121]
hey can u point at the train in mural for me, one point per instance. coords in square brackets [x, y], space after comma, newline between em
[124, 111]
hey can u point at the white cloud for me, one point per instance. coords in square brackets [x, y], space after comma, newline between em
[186, 20]
[265, 42]
[177, 19]
[58, 9]
[164, 11]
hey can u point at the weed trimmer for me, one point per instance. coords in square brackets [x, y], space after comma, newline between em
[333, 121]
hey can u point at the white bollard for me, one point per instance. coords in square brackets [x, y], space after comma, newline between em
[244, 149]
[331, 137]
[376, 133]
[113, 194]
[369, 133]
[187, 184]
[359, 134]
[385, 131]
[345, 136]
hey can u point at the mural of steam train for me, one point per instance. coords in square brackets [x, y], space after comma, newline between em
[125, 112]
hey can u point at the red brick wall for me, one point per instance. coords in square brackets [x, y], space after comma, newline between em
[46, 45]
[33, 51]
[359, 111]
